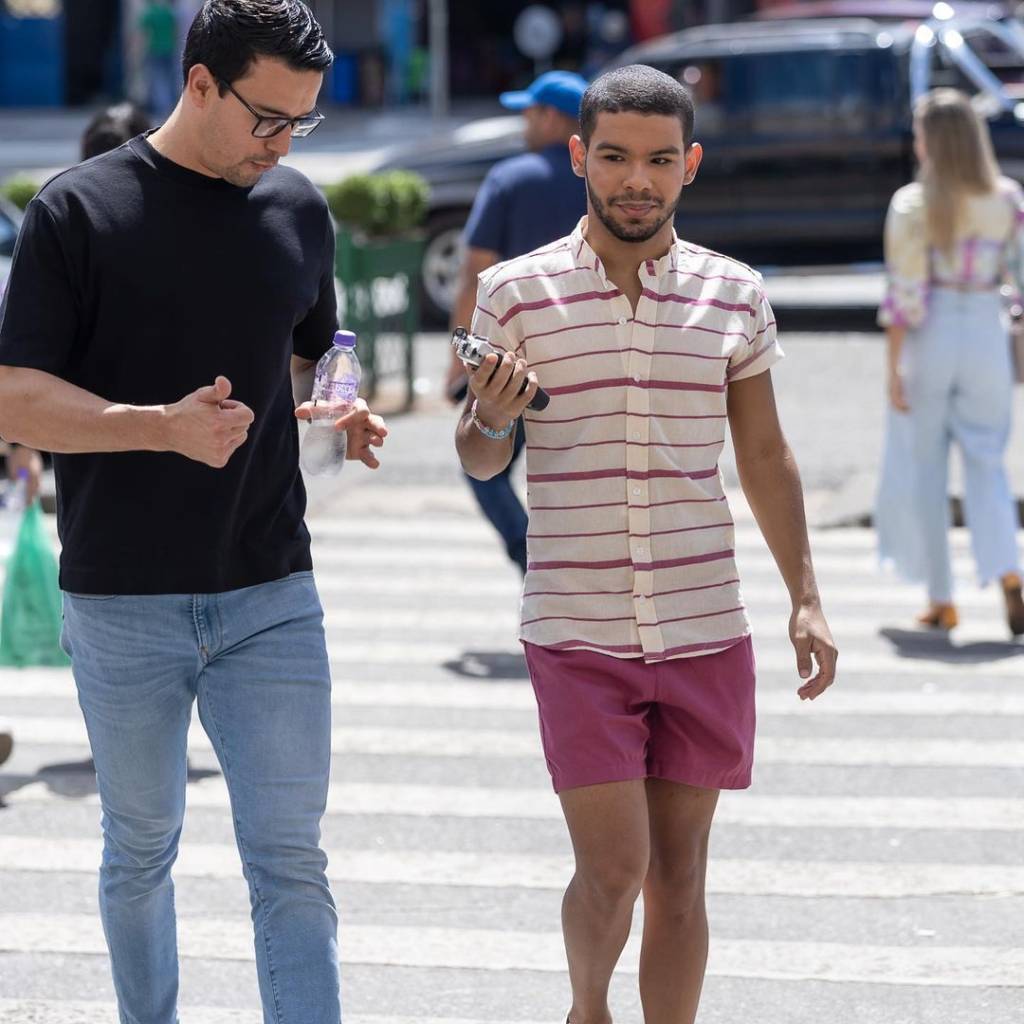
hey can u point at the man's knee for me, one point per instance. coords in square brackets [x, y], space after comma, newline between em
[676, 882]
[140, 847]
[614, 880]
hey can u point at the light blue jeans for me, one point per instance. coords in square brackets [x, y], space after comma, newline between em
[256, 662]
[959, 382]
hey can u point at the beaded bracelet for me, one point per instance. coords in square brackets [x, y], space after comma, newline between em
[494, 435]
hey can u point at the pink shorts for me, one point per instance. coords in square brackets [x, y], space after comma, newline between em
[604, 719]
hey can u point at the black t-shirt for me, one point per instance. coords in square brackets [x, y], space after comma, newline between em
[141, 281]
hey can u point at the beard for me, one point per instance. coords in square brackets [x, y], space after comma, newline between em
[633, 232]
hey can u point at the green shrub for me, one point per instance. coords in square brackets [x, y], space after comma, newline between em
[379, 205]
[20, 190]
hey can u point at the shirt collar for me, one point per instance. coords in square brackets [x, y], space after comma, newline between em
[584, 256]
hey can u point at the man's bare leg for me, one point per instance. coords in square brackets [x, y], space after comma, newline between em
[610, 835]
[675, 944]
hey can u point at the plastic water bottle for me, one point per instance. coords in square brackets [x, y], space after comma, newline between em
[335, 390]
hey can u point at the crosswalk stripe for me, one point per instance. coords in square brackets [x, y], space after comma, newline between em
[874, 595]
[426, 556]
[501, 743]
[453, 530]
[416, 657]
[779, 659]
[490, 950]
[54, 1011]
[500, 696]
[746, 809]
[502, 623]
[801, 879]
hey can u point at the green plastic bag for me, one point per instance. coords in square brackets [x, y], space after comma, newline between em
[30, 622]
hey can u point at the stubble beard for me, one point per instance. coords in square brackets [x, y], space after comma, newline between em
[638, 233]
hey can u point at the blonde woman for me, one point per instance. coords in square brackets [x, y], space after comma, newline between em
[952, 239]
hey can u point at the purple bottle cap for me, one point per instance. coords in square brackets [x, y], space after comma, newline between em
[344, 339]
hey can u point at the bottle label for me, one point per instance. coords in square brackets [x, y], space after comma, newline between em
[337, 391]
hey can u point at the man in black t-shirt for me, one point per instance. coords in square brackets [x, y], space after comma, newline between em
[166, 301]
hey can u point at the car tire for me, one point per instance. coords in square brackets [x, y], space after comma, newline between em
[440, 268]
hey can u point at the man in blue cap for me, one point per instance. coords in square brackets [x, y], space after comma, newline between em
[525, 202]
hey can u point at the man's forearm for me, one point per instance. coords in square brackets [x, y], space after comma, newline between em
[772, 487]
[482, 457]
[45, 412]
[302, 371]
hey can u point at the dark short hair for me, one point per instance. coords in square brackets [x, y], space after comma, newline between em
[638, 89]
[113, 127]
[228, 35]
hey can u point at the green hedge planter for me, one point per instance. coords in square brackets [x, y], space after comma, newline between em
[361, 266]
[378, 256]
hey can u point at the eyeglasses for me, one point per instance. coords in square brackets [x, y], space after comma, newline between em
[268, 127]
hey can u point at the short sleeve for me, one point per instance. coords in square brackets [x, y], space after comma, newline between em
[39, 315]
[313, 335]
[487, 319]
[761, 349]
[487, 226]
[906, 260]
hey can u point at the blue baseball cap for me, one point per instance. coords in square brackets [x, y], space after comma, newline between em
[562, 90]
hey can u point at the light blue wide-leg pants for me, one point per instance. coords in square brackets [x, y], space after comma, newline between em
[959, 382]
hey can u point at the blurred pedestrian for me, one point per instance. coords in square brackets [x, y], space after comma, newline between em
[952, 238]
[524, 202]
[111, 128]
[635, 634]
[168, 302]
[158, 24]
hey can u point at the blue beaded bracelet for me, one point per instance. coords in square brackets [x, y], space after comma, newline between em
[494, 435]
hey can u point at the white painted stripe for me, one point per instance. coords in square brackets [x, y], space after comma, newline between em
[472, 529]
[489, 626]
[853, 661]
[750, 557]
[400, 740]
[747, 809]
[808, 879]
[501, 696]
[839, 593]
[414, 656]
[56, 1011]
[481, 949]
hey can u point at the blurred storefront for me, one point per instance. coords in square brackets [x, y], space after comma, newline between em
[57, 52]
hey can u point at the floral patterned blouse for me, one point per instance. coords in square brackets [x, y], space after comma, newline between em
[987, 254]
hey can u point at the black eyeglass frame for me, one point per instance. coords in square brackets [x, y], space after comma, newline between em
[310, 122]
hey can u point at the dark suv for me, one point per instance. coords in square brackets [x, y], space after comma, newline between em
[806, 127]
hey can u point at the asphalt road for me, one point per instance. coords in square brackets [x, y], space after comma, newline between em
[872, 873]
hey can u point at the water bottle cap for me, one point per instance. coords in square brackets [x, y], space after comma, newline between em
[344, 339]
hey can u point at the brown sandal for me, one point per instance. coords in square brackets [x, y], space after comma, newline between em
[939, 616]
[1014, 603]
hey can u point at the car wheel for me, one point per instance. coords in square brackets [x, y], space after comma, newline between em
[439, 275]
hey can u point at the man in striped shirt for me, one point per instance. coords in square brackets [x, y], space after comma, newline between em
[632, 621]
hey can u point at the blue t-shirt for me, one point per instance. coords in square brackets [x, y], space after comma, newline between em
[525, 202]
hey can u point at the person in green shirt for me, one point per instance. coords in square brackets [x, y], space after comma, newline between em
[159, 26]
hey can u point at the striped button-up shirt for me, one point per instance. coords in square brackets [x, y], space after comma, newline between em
[630, 544]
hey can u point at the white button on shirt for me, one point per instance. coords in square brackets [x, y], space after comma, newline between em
[702, 320]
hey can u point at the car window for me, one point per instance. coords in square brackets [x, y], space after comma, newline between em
[789, 94]
[8, 234]
[796, 93]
